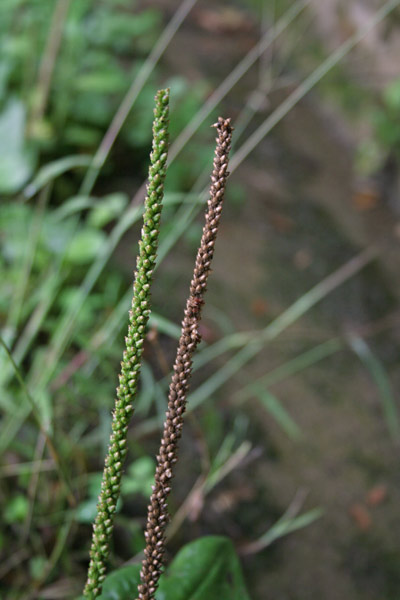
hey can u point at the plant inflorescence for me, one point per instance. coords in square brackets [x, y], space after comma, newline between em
[157, 519]
[130, 365]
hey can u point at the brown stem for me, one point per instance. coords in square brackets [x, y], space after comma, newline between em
[50, 54]
[157, 518]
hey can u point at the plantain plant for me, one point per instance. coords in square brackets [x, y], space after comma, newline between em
[209, 551]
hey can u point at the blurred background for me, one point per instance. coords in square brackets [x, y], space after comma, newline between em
[292, 436]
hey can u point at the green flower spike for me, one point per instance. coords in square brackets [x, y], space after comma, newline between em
[130, 365]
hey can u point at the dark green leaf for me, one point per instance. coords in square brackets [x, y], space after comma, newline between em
[108, 208]
[139, 477]
[207, 569]
[122, 584]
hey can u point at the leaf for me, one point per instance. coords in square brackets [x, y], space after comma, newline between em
[102, 82]
[85, 246]
[140, 477]
[382, 381]
[53, 170]
[73, 205]
[16, 509]
[16, 160]
[286, 525]
[278, 412]
[206, 569]
[107, 209]
[122, 584]
[164, 325]
[86, 511]
[391, 95]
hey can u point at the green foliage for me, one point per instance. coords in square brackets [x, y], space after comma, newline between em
[16, 509]
[138, 479]
[94, 40]
[385, 138]
[386, 119]
[121, 584]
[17, 161]
[54, 169]
[207, 569]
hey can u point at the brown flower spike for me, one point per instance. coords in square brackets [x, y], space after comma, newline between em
[157, 518]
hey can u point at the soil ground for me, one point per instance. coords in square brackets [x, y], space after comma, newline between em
[297, 224]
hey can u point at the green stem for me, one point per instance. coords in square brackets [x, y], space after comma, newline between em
[130, 365]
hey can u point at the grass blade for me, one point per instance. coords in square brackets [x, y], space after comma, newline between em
[276, 409]
[260, 338]
[238, 72]
[310, 81]
[382, 381]
[291, 367]
[42, 426]
[49, 58]
[287, 318]
[285, 525]
[54, 169]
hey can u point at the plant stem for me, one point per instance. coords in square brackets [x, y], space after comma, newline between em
[130, 365]
[49, 58]
[157, 517]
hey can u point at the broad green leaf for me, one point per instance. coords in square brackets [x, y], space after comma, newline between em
[207, 569]
[37, 565]
[85, 246]
[103, 210]
[73, 205]
[102, 82]
[82, 136]
[122, 584]
[16, 160]
[108, 208]
[86, 511]
[139, 477]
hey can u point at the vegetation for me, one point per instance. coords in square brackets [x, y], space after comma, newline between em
[76, 83]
